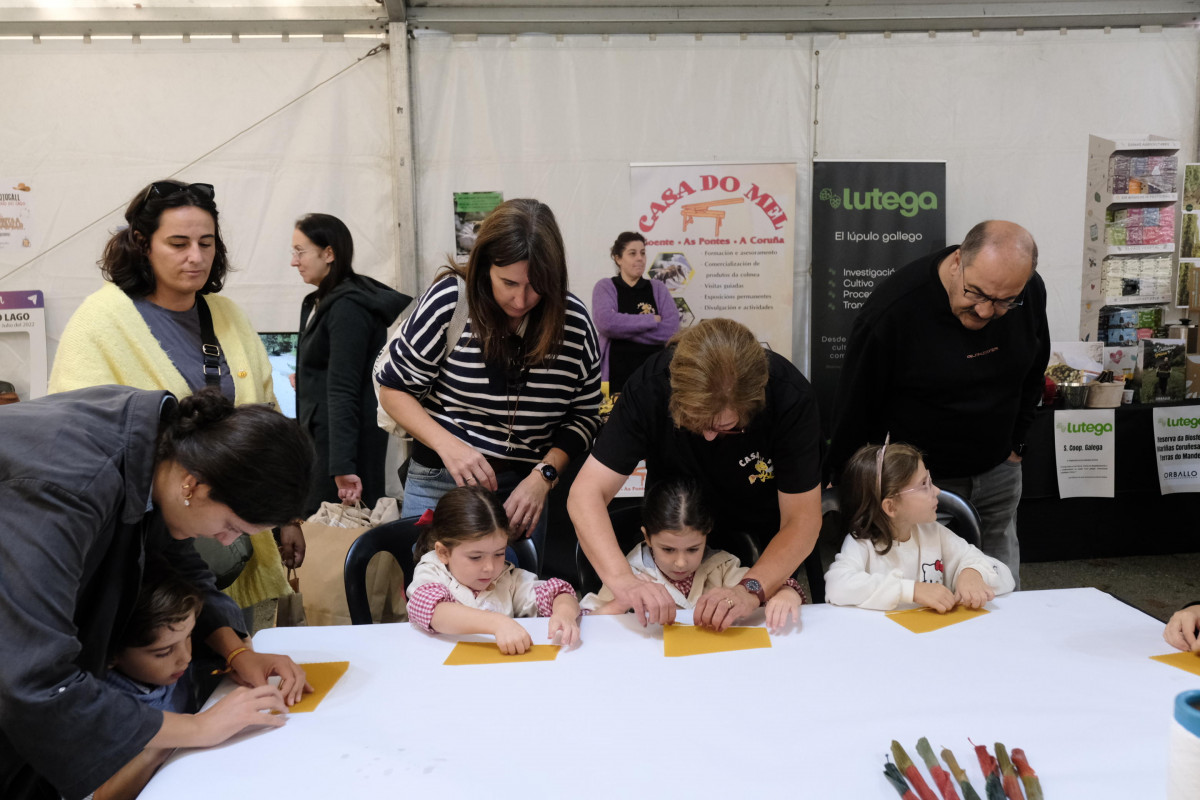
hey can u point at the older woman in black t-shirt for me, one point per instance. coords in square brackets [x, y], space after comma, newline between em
[634, 317]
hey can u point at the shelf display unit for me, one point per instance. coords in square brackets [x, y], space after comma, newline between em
[1129, 227]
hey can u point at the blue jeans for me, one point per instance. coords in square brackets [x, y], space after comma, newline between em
[995, 495]
[426, 485]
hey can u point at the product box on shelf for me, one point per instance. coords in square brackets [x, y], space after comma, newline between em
[1121, 360]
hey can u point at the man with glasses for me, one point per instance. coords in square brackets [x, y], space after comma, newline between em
[948, 354]
[740, 421]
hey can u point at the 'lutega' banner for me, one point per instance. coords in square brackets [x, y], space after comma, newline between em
[721, 237]
[868, 219]
[1085, 455]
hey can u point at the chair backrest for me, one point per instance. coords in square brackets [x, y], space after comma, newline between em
[959, 515]
[399, 538]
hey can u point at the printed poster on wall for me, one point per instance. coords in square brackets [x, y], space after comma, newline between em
[1189, 236]
[470, 209]
[868, 219]
[722, 239]
[23, 342]
[1177, 447]
[1085, 452]
[16, 215]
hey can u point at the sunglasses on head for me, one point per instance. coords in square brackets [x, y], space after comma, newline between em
[168, 188]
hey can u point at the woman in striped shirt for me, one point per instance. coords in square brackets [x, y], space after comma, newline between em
[516, 396]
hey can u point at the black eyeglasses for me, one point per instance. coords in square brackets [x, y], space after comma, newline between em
[979, 298]
[168, 188]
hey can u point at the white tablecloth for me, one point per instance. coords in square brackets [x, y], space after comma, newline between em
[1063, 674]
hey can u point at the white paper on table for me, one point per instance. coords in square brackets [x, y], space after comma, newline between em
[1084, 452]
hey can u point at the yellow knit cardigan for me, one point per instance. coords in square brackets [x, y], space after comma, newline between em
[107, 341]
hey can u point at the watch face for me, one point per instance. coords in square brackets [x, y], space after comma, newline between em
[752, 585]
[549, 472]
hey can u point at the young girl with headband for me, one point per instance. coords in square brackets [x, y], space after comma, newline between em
[895, 552]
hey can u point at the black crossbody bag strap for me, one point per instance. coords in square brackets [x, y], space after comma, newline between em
[209, 347]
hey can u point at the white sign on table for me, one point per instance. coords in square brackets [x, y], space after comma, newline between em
[1084, 452]
[1177, 447]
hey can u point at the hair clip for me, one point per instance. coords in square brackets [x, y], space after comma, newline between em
[426, 517]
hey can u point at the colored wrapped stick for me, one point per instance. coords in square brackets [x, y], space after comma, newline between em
[892, 773]
[991, 772]
[940, 777]
[910, 771]
[1008, 775]
[1033, 786]
[960, 775]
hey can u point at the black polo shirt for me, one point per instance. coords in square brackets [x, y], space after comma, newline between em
[740, 474]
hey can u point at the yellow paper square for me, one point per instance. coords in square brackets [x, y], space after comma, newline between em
[924, 620]
[689, 640]
[489, 653]
[322, 677]
[1189, 662]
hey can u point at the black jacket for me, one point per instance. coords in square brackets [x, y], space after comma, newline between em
[75, 531]
[335, 398]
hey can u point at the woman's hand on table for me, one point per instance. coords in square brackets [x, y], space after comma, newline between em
[525, 503]
[721, 607]
[466, 465]
[935, 596]
[291, 545]
[651, 602]
[786, 603]
[511, 638]
[970, 589]
[349, 488]
[253, 669]
[1181, 629]
[242, 708]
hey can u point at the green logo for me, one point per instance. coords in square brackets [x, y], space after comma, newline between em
[909, 204]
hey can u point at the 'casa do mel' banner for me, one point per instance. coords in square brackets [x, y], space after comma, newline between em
[721, 238]
[868, 219]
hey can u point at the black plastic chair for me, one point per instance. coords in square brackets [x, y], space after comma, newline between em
[627, 524]
[398, 538]
[956, 513]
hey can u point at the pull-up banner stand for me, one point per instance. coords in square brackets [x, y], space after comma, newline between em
[868, 219]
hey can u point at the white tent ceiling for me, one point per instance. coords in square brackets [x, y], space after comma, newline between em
[340, 17]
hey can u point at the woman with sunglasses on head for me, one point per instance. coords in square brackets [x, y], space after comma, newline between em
[515, 397]
[159, 323]
[343, 325]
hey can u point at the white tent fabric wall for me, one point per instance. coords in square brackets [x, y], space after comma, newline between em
[562, 120]
[87, 125]
[1011, 116]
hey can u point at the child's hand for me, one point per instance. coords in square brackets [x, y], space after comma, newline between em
[935, 596]
[253, 669]
[786, 601]
[564, 619]
[512, 639]
[567, 626]
[970, 589]
[240, 709]
[1181, 629]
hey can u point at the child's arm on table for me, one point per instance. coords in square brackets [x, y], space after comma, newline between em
[785, 602]
[971, 589]
[564, 619]
[240, 709]
[455, 618]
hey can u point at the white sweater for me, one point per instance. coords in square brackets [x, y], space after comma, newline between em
[861, 576]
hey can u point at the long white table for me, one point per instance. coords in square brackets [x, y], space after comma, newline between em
[1063, 674]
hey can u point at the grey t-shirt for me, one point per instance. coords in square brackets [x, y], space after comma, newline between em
[178, 333]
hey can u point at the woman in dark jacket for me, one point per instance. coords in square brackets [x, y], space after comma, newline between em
[343, 326]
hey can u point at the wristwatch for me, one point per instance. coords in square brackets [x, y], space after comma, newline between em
[755, 588]
[549, 472]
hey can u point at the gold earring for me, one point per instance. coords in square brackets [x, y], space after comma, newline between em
[187, 497]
